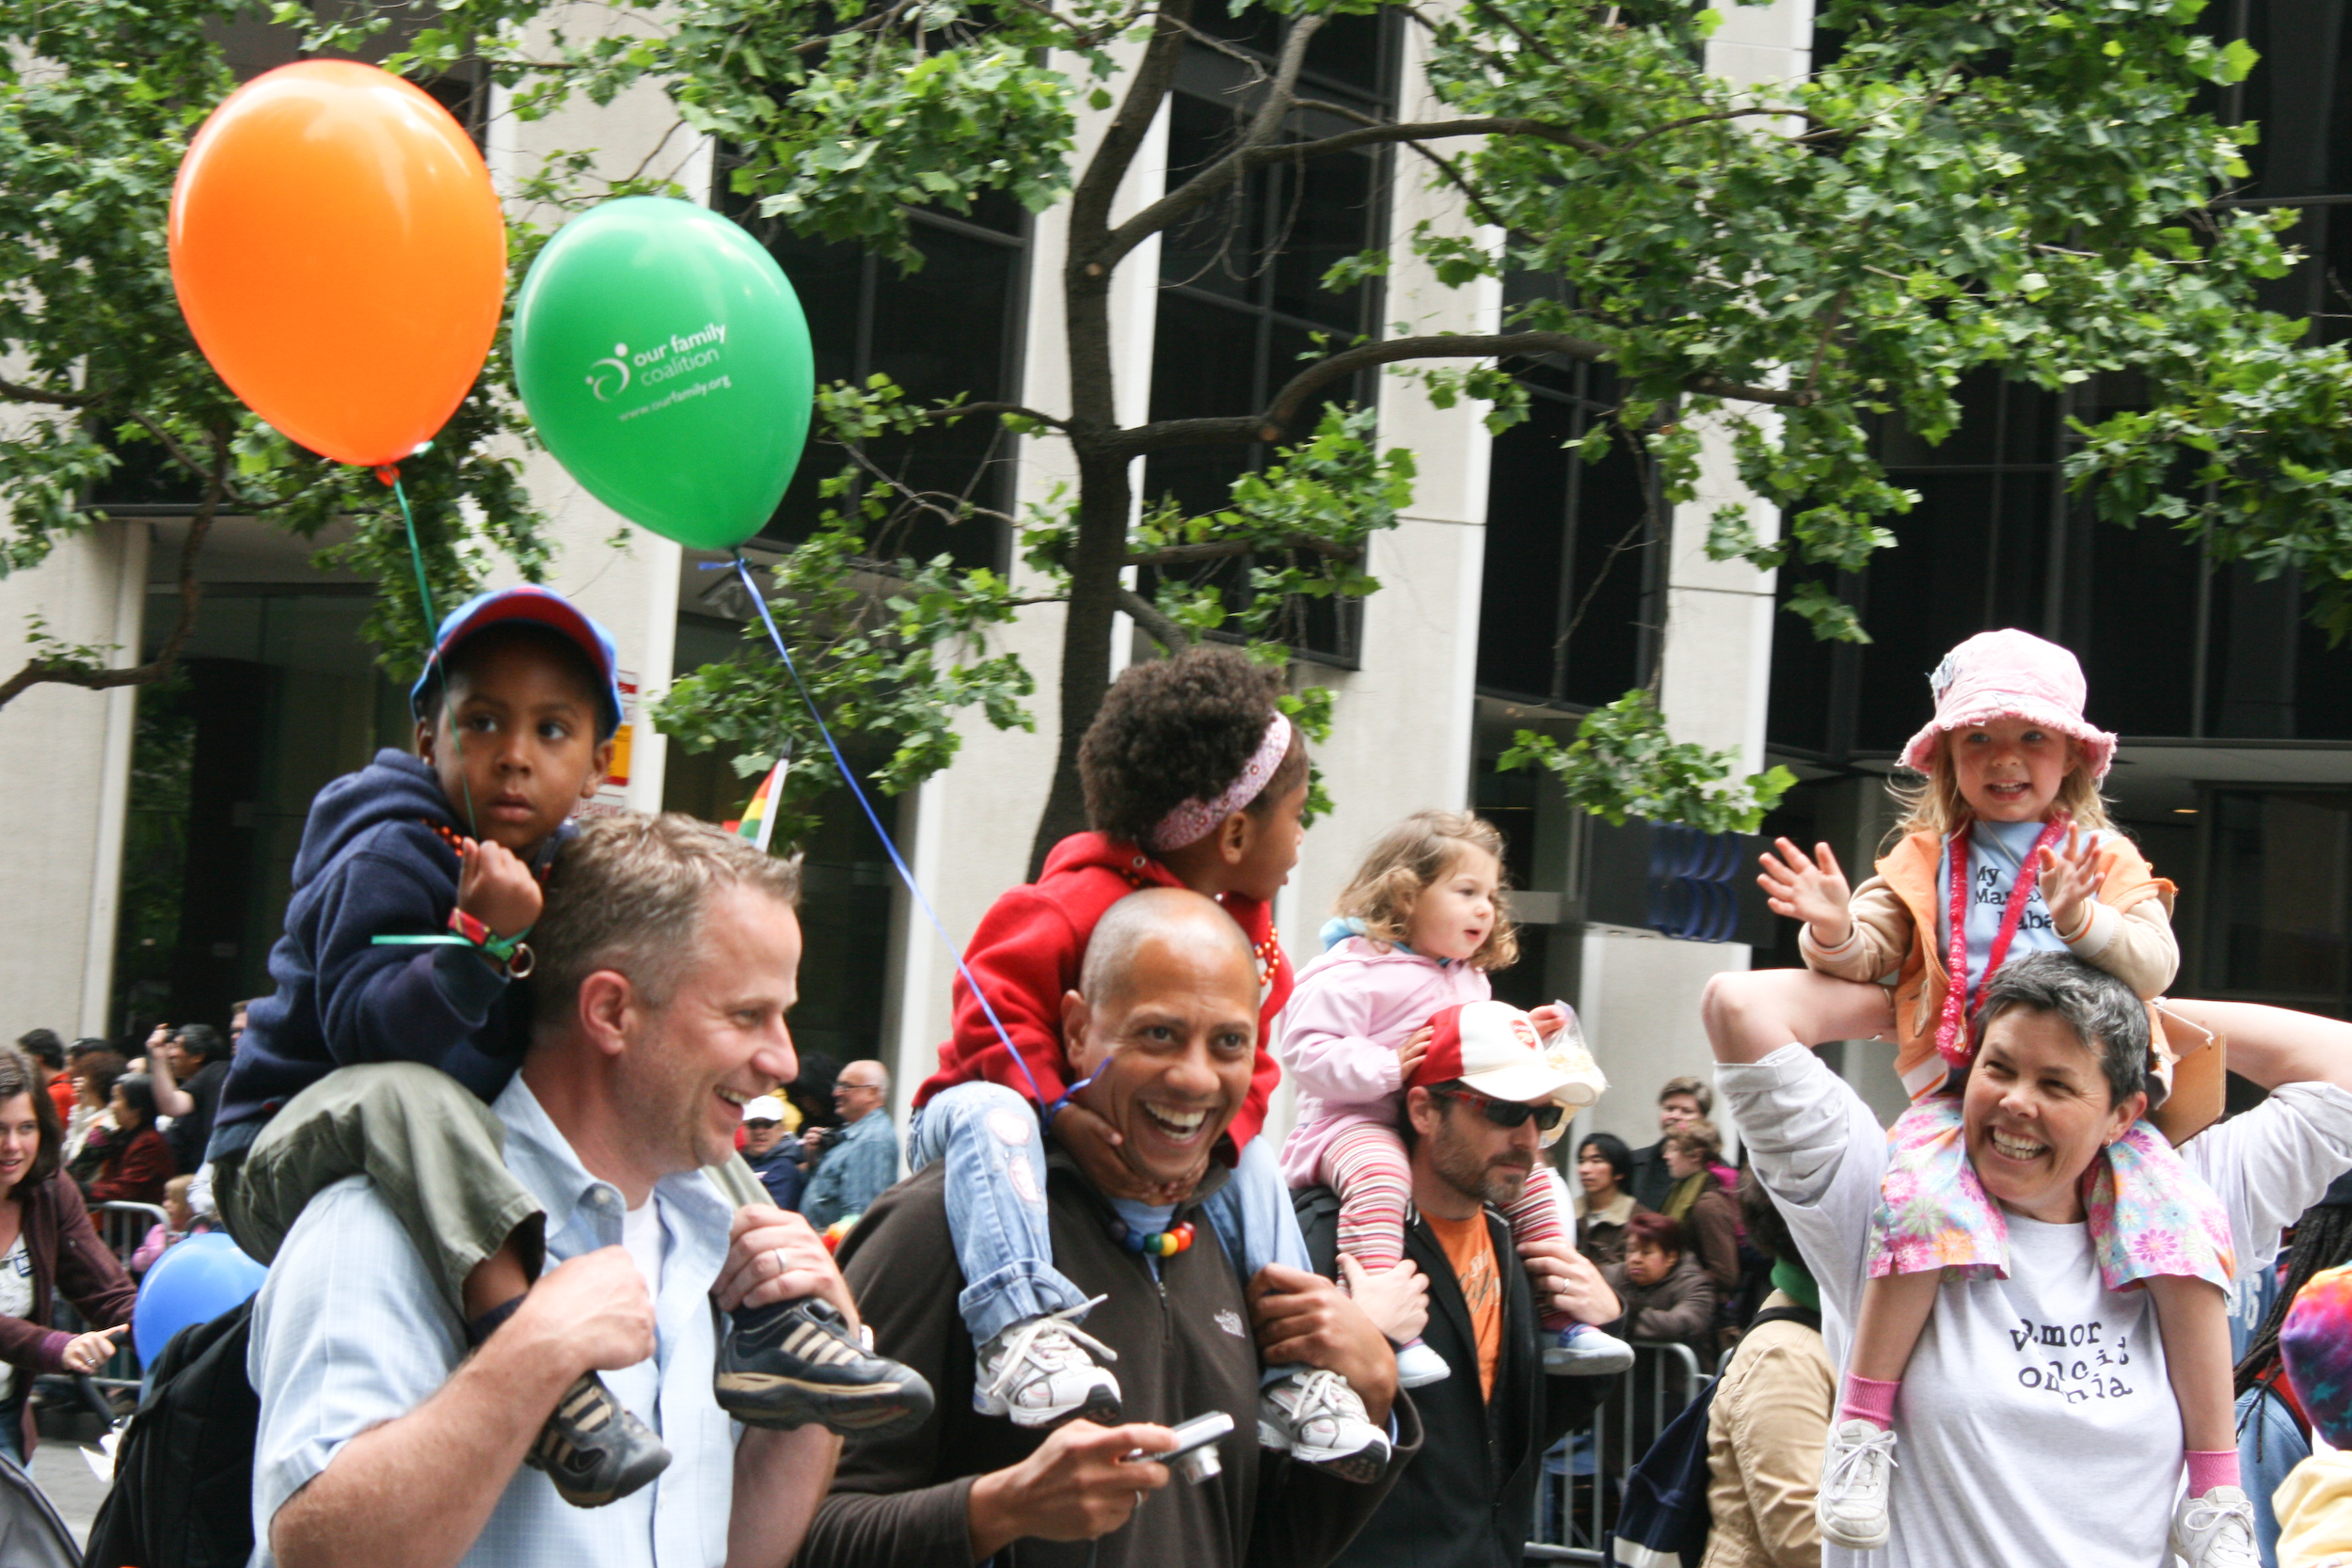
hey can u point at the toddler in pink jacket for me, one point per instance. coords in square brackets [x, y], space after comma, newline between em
[1421, 925]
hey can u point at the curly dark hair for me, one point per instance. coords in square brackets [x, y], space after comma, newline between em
[1180, 730]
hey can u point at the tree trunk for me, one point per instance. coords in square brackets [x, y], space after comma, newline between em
[1100, 554]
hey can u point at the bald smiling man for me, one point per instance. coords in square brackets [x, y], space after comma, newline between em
[1164, 1028]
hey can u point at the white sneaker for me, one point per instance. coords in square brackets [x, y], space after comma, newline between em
[1583, 1351]
[1038, 1373]
[1316, 1418]
[2216, 1530]
[1418, 1366]
[1856, 1467]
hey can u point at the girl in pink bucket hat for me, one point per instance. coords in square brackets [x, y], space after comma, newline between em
[2005, 848]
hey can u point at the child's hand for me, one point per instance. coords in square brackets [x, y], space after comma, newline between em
[1094, 1144]
[1408, 1055]
[2070, 881]
[1550, 1018]
[496, 888]
[1813, 891]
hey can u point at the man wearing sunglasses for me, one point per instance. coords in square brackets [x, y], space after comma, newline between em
[1479, 1109]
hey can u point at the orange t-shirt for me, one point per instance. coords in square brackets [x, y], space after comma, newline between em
[61, 1096]
[1471, 1251]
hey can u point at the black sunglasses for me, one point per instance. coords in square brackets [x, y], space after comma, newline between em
[1506, 1113]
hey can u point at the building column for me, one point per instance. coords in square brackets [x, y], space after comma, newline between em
[1640, 991]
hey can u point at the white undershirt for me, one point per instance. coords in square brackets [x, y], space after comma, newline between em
[641, 1234]
[16, 1299]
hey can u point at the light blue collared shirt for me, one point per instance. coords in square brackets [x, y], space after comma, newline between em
[350, 1332]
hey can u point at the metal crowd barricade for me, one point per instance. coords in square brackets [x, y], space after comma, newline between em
[1583, 1476]
[122, 1227]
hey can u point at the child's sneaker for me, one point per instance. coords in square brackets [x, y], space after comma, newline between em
[1583, 1351]
[593, 1449]
[2216, 1530]
[794, 1363]
[1418, 1366]
[1316, 1418]
[1857, 1468]
[1038, 1373]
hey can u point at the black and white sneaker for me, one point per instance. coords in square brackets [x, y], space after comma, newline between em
[593, 1449]
[798, 1363]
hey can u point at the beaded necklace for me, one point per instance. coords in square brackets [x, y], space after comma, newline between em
[1155, 1244]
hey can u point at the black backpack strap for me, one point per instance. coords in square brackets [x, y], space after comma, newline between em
[1804, 1315]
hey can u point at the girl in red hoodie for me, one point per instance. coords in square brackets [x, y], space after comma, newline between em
[1193, 777]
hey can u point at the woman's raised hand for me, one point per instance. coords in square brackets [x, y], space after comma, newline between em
[2069, 880]
[1813, 891]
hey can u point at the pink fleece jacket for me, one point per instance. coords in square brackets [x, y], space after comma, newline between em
[1353, 1008]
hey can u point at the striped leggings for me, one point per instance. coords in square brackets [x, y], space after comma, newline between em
[1368, 1167]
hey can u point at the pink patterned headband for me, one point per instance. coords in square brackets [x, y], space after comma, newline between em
[1197, 819]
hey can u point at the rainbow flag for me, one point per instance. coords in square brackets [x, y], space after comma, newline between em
[759, 818]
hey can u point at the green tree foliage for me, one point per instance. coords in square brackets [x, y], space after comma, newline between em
[2026, 185]
[1623, 763]
[99, 375]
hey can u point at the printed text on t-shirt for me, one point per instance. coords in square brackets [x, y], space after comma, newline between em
[2088, 1364]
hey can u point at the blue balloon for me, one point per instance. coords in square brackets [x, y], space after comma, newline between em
[193, 1282]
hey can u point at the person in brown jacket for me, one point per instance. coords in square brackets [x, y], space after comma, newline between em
[47, 1248]
[1700, 1200]
[1770, 1415]
[1162, 1034]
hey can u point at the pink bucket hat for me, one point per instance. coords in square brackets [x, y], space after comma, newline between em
[2010, 675]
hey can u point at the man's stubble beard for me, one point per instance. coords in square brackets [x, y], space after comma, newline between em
[1499, 1185]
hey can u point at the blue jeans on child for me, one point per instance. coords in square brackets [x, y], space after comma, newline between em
[990, 1138]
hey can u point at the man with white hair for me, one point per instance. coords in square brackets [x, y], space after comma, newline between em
[863, 1157]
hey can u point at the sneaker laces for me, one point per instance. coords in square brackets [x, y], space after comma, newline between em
[1865, 1456]
[1322, 1392]
[2204, 1515]
[1043, 1346]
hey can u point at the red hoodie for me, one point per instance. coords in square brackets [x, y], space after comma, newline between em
[1027, 953]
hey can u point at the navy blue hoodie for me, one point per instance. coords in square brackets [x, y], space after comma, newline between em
[372, 866]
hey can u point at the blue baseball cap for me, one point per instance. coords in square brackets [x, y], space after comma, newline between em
[534, 606]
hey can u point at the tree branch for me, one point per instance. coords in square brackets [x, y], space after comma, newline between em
[1139, 440]
[1224, 550]
[1245, 159]
[1167, 633]
[40, 671]
[957, 411]
[1097, 187]
[18, 392]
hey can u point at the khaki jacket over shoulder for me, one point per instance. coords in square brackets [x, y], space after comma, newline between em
[1764, 1437]
[1895, 914]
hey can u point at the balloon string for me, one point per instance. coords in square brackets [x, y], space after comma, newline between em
[389, 474]
[759, 602]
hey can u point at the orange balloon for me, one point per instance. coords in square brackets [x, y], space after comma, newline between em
[340, 254]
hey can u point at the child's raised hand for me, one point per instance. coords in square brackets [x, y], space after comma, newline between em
[1408, 1055]
[2069, 880]
[1094, 1144]
[1813, 891]
[496, 888]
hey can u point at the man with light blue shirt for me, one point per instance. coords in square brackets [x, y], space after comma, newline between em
[666, 959]
[862, 1159]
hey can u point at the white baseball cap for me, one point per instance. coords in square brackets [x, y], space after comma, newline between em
[766, 1108]
[1494, 1048]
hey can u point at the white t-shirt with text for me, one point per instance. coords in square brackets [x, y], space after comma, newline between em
[2036, 1423]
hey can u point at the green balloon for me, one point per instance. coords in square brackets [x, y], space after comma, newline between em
[666, 362]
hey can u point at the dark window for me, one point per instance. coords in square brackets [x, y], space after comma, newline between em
[1565, 610]
[2276, 924]
[1241, 305]
[2171, 645]
[951, 327]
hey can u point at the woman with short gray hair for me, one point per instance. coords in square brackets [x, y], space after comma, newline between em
[2030, 1397]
